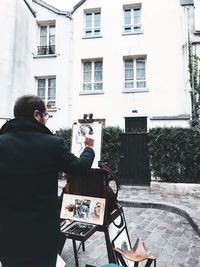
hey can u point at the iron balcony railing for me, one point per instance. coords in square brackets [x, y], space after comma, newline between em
[46, 49]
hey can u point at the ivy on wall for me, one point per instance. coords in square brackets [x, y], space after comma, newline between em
[194, 71]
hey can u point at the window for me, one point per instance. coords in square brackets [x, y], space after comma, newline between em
[135, 73]
[47, 40]
[92, 24]
[132, 20]
[46, 89]
[92, 76]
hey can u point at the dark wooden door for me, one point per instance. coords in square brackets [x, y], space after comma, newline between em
[134, 164]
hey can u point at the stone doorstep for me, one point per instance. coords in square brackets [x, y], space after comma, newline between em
[181, 189]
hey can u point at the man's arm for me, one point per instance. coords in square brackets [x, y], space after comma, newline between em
[73, 165]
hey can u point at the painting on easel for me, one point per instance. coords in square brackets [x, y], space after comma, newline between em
[82, 130]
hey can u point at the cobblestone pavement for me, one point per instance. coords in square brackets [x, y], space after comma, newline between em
[169, 236]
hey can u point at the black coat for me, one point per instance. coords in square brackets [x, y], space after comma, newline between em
[30, 158]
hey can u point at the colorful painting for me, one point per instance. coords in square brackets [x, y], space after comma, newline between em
[83, 208]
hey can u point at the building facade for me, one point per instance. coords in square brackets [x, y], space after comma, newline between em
[123, 61]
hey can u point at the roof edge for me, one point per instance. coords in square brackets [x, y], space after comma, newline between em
[78, 5]
[30, 8]
[53, 9]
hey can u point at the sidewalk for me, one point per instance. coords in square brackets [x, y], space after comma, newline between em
[186, 205]
[169, 224]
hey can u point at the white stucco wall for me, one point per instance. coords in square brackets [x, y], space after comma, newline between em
[163, 43]
[58, 66]
[16, 27]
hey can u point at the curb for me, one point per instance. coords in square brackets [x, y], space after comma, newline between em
[165, 206]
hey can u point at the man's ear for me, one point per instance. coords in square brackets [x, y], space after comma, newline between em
[36, 115]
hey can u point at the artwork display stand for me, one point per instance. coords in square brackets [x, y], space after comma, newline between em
[93, 184]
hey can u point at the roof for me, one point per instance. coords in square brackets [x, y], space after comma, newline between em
[51, 8]
[78, 5]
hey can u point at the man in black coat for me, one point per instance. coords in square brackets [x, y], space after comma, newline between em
[30, 158]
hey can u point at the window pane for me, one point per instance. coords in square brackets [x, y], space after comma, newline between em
[128, 75]
[87, 87]
[88, 33]
[87, 66]
[43, 31]
[51, 89]
[98, 86]
[98, 71]
[127, 29]
[98, 65]
[51, 103]
[96, 32]
[127, 16]
[88, 20]
[129, 72]
[129, 64]
[52, 40]
[41, 88]
[87, 77]
[136, 16]
[97, 19]
[52, 30]
[43, 35]
[140, 69]
[87, 71]
[128, 85]
[141, 84]
[98, 76]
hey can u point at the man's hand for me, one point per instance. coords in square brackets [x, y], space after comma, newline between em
[89, 142]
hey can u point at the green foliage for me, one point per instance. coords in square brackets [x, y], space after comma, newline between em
[194, 72]
[174, 154]
[66, 134]
[111, 144]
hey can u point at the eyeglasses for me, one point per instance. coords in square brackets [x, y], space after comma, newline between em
[46, 115]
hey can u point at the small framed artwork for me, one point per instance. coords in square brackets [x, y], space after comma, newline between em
[83, 209]
[82, 130]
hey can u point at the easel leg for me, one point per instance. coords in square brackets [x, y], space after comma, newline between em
[111, 257]
[75, 253]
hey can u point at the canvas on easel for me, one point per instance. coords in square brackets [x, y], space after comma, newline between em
[82, 130]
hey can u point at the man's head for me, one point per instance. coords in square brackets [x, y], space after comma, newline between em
[31, 106]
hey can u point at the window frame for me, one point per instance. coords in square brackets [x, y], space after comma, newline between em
[92, 28]
[92, 81]
[47, 97]
[132, 25]
[46, 49]
[135, 79]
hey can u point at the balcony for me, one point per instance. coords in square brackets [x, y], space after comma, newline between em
[46, 50]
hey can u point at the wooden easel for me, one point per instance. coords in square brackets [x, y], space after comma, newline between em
[93, 185]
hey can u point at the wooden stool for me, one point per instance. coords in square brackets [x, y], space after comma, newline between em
[137, 254]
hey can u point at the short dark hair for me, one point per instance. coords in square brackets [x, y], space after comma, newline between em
[84, 128]
[27, 104]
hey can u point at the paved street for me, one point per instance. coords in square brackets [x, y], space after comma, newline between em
[169, 236]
